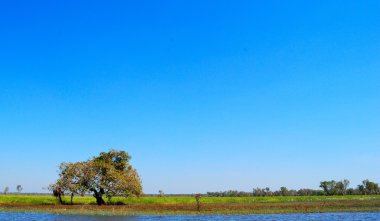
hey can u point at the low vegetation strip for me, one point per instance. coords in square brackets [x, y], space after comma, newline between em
[187, 205]
[89, 200]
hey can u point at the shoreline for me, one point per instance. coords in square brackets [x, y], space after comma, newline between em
[206, 209]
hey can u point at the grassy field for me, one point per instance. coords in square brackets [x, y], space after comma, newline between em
[187, 205]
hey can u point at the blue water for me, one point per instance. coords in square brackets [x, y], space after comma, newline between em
[4, 216]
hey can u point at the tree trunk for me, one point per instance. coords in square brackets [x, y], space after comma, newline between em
[99, 198]
[57, 192]
[100, 201]
[60, 198]
[71, 199]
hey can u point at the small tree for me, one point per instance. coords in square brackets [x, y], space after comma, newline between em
[19, 188]
[70, 178]
[6, 190]
[268, 192]
[346, 184]
[161, 193]
[370, 187]
[361, 189]
[329, 187]
[259, 192]
[284, 191]
[341, 187]
[198, 201]
[57, 192]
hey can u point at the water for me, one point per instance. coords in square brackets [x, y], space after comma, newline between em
[4, 216]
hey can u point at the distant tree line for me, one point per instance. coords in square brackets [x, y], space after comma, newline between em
[328, 188]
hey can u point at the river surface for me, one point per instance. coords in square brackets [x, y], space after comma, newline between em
[5, 216]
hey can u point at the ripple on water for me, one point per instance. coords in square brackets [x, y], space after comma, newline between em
[5, 216]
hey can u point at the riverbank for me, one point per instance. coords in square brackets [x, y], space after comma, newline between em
[187, 205]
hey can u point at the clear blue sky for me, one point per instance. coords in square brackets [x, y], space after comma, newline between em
[205, 95]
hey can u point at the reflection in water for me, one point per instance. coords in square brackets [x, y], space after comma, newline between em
[277, 217]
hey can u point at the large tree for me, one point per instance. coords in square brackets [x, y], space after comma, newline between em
[108, 174]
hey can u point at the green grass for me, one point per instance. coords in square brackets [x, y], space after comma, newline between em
[50, 200]
[186, 205]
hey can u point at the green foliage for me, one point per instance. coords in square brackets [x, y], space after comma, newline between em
[19, 188]
[341, 187]
[335, 188]
[329, 187]
[284, 191]
[198, 201]
[368, 187]
[108, 174]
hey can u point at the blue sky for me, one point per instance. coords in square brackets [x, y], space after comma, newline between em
[205, 95]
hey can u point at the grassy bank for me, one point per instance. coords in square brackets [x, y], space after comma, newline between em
[186, 205]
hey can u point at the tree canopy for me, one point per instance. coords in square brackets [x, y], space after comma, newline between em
[108, 174]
